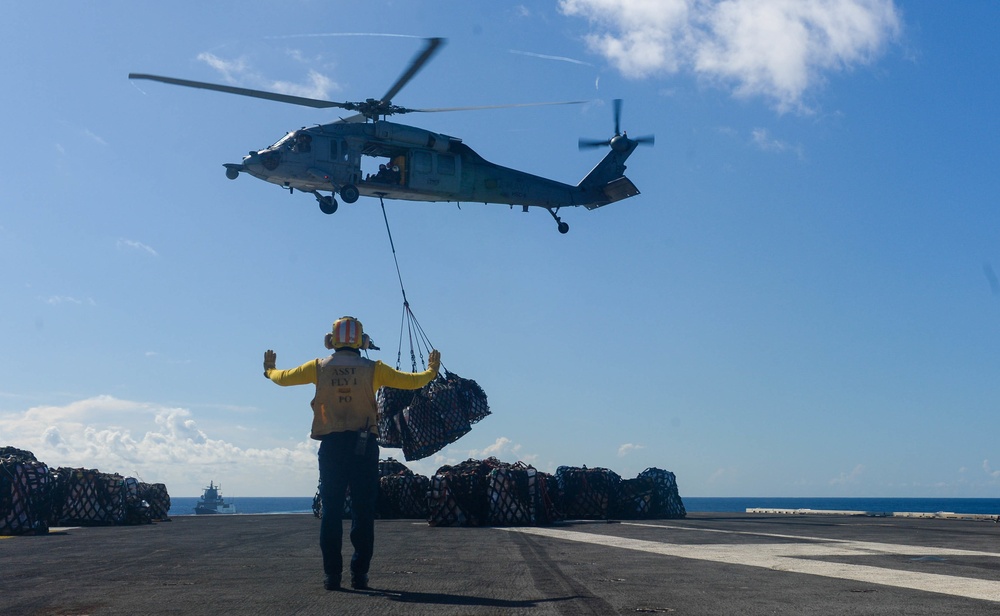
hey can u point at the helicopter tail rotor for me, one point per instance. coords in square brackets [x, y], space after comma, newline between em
[620, 140]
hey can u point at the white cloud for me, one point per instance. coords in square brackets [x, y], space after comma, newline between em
[231, 70]
[501, 446]
[318, 86]
[763, 140]
[157, 444]
[239, 72]
[777, 49]
[989, 470]
[93, 137]
[55, 300]
[628, 448]
[848, 478]
[123, 243]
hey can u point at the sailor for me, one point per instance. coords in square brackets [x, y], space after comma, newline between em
[345, 421]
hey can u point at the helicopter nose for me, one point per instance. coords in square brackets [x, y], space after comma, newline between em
[262, 161]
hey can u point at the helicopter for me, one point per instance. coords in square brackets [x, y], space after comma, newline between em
[418, 164]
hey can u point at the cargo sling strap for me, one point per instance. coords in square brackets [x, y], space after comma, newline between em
[423, 421]
[419, 342]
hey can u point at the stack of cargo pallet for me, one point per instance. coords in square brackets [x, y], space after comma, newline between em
[491, 493]
[34, 497]
[25, 493]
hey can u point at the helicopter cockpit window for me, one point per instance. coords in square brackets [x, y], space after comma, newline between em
[302, 142]
[285, 142]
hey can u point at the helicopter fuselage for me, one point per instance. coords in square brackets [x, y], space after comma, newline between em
[419, 165]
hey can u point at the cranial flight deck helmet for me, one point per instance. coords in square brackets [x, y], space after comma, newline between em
[348, 332]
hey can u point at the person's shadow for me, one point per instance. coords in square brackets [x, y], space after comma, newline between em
[407, 596]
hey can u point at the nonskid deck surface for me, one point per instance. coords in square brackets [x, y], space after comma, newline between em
[708, 563]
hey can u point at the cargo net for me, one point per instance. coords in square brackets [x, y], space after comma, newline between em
[317, 506]
[25, 494]
[157, 499]
[598, 493]
[89, 497]
[424, 421]
[34, 497]
[491, 493]
[665, 501]
[587, 493]
[401, 495]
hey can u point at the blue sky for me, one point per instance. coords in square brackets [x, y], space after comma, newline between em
[802, 301]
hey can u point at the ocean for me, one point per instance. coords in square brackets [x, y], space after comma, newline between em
[184, 505]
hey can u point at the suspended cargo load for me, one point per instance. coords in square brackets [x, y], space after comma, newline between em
[424, 421]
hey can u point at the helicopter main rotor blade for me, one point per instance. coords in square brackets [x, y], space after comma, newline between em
[511, 106]
[593, 143]
[433, 44]
[272, 96]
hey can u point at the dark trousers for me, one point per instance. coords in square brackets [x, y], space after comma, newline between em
[339, 468]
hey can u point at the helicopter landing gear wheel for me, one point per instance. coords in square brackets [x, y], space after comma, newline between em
[349, 193]
[231, 173]
[562, 226]
[327, 205]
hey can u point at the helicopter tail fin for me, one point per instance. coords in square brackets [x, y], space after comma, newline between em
[615, 190]
[606, 183]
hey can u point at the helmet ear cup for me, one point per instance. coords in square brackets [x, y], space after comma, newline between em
[328, 341]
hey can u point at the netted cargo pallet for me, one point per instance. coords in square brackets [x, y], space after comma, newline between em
[666, 500]
[403, 496]
[317, 506]
[458, 494]
[548, 508]
[392, 466]
[88, 497]
[587, 493]
[634, 499]
[158, 500]
[391, 403]
[511, 493]
[17, 455]
[25, 494]
[438, 414]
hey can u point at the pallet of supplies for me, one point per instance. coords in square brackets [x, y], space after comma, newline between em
[88, 497]
[432, 417]
[587, 493]
[25, 493]
[666, 501]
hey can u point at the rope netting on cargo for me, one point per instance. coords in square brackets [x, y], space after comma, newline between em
[424, 421]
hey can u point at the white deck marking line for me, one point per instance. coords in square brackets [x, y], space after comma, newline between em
[793, 558]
